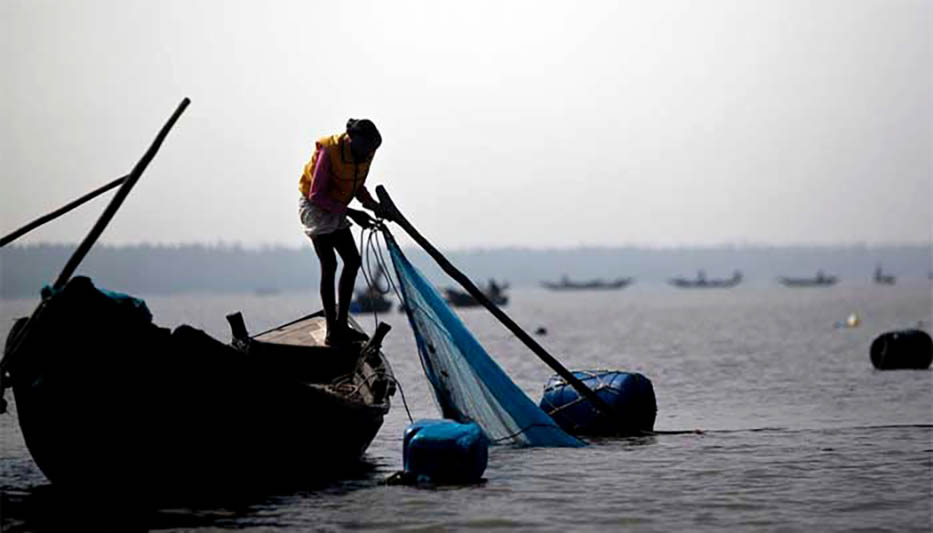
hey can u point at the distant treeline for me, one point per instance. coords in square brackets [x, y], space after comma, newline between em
[145, 269]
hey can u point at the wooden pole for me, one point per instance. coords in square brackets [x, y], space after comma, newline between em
[130, 180]
[588, 393]
[118, 198]
[7, 239]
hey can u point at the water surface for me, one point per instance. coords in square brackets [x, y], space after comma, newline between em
[795, 431]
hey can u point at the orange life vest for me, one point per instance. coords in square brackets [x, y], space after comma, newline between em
[346, 176]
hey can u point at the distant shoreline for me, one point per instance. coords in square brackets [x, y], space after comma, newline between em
[231, 268]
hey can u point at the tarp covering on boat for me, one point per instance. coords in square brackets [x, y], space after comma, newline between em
[468, 385]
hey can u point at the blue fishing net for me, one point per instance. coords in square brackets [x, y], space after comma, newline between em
[468, 385]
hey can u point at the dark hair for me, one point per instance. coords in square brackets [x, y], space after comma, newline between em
[365, 129]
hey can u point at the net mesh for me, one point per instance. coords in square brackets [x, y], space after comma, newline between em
[468, 385]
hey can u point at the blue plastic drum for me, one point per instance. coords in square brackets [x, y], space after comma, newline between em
[444, 451]
[630, 394]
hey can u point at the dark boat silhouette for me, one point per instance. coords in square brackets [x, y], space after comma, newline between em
[265, 291]
[105, 397]
[820, 280]
[701, 282]
[494, 292]
[881, 278]
[565, 284]
[372, 299]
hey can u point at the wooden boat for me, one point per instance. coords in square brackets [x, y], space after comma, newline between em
[369, 301]
[820, 280]
[494, 292]
[701, 282]
[565, 284]
[106, 397]
[372, 299]
[883, 279]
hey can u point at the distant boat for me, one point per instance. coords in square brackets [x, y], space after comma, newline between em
[597, 284]
[265, 291]
[372, 299]
[821, 280]
[702, 283]
[883, 279]
[494, 292]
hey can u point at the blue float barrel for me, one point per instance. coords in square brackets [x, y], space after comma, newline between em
[630, 394]
[444, 451]
[907, 348]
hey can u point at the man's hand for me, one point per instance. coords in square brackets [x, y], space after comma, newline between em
[360, 217]
[378, 209]
[382, 212]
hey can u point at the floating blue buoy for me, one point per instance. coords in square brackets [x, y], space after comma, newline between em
[444, 451]
[630, 394]
[906, 348]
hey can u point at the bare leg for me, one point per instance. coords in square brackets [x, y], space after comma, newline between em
[324, 247]
[346, 247]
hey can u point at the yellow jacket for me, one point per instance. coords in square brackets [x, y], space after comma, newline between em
[345, 177]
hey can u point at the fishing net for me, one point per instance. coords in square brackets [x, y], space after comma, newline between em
[468, 385]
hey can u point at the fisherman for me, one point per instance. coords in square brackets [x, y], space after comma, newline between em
[494, 289]
[335, 175]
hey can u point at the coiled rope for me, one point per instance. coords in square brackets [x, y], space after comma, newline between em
[373, 258]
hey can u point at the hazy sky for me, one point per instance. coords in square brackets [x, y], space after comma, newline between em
[543, 124]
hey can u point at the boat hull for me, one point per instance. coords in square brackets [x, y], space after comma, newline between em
[106, 397]
[462, 299]
[596, 285]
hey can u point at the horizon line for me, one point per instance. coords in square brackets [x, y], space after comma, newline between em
[748, 245]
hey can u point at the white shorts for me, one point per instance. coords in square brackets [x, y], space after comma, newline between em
[317, 221]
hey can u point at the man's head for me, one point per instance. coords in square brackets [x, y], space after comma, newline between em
[364, 138]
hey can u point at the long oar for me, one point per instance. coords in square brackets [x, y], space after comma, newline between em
[118, 198]
[7, 239]
[586, 392]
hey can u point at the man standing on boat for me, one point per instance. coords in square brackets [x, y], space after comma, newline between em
[335, 175]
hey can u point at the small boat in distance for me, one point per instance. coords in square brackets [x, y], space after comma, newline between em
[883, 279]
[821, 280]
[701, 282]
[565, 284]
[494, 292]
[372, 299]
[265, 291]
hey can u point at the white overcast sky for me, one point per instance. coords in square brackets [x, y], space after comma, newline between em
[540, 124]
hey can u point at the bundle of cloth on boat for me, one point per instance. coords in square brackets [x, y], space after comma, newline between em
[468, 385]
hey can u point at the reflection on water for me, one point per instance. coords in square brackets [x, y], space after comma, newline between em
[797, 431]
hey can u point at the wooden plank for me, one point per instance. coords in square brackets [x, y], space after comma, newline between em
[308, 332]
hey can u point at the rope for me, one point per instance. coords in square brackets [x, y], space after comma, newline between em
[343, 382]
[519, 432]
[371, 251]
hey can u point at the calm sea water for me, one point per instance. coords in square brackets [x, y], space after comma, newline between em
[797, 431]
